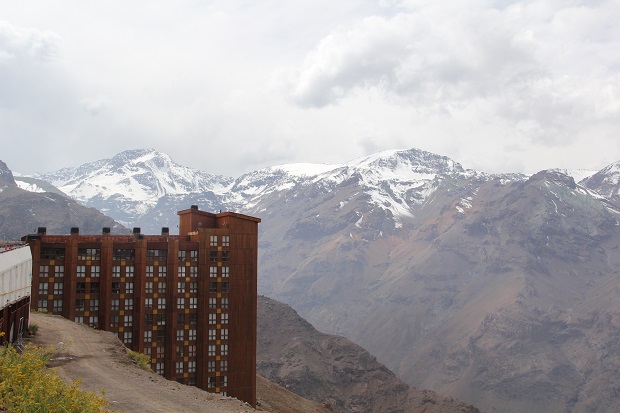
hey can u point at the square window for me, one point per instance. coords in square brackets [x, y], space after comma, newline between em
[42, 305]
[58, 288]
[80, 287]
[94, 288]
[79, 305]
[225, 256]
[94, 304]
[116, 288]
[129, 270]
[213, 256]
[161, 319]
[148, 320]
[43, 288]
[81, 271]
[213, 272]
[161, 303]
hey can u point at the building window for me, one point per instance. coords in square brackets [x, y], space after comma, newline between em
[223, 381]
[114, 320]
[43, 288]
[79, 305]
[193, 302]
[213, 287]
[193, 287]
[161, 287]
[128, 303]
[156, 255]
[193, 318]
[116, 288]
[180, 319]
[148, 287]
[52, 253]
[223, 349]
[223, 365]
[191, 334]
[58, 288]
[179, 367]
[94, 321]
[163, 271]
[116, 271]
[181, 286]
[224, 334]
[80, 288]
[180, 335]
[224, 302]
[128, 321]
[148, 303]
[193, 272]
[211, 350]
[148, 320]
[129, 288]
[160, 351]
[91, 254]
[191, 350]
[115, 304]
[182, 255]
[213, 240]
[159, 368]
[42, 305]
[161, 303]
[224, 318]
[148, 336]
[212, 335]
[225, 287]
[180, 350]
[212, 318]
[181, 271]
[161, 319]
[94, 288]
[211, 366]
[44, 271]
[59, 271]
[94, 304]
[95, 270]
[211, 382]
[149, 271]
[123, 255]
[191, 366]
[212, 256]
[128, 337]
[79, 319]
[213, 272]
[161, 336]
[225, 256]
[181, 303]
[225, 240]
[193, 255]
[212, 303]
[129, 270]
[80, 271]
[225, 272]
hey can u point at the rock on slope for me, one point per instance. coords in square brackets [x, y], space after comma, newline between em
[333, 370]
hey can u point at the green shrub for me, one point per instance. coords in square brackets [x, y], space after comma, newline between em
[27, 386]
[142, 360]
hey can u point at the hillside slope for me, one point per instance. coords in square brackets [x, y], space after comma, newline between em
[333, 370]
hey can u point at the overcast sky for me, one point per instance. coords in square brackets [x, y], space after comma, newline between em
[235, 85]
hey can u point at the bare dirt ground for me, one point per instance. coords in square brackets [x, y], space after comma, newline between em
[100, 361]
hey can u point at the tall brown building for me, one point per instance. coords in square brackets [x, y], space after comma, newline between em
[188, 300]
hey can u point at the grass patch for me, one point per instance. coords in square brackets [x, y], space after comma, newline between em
[27, 386]
[142, 360]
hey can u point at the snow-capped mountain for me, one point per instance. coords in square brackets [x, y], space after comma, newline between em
[606, 182]
[130, 184]
[497, 289]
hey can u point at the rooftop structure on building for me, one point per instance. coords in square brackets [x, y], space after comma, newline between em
[188, 301]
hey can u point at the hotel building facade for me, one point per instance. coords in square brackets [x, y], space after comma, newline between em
[188, 301]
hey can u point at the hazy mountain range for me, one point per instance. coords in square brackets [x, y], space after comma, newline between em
[500, 290]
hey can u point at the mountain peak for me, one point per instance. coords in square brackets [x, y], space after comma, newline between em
[6, 176]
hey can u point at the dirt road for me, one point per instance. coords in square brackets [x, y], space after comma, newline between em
[100, 361]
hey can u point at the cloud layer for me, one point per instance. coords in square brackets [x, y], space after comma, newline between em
[497, 85]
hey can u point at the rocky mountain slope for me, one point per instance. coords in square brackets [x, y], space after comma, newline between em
[333, 370]
[22, 212]
[498, 290]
